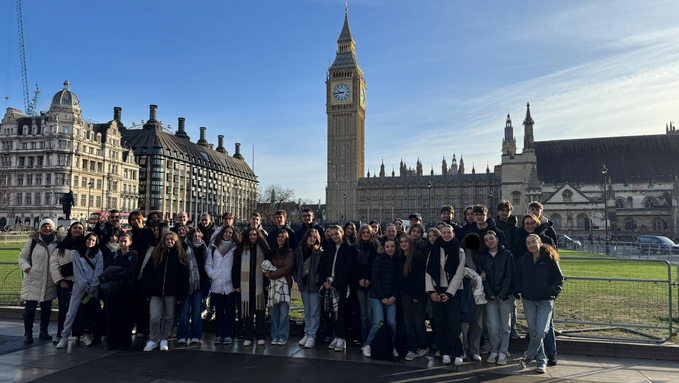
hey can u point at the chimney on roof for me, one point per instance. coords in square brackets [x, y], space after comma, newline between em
[117, 113]
[212, 146]
[237, 154]
[153, 112]
[220, 144]
[202, 141]
[181, 129]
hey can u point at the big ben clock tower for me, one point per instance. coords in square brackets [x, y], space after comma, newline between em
[345, 106]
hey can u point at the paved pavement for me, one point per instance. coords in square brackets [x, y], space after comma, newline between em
[42, 362]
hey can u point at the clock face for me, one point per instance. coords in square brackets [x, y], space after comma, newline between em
[362, 95]
[341, 92]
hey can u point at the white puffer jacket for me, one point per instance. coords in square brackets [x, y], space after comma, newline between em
[56, 261]
[218, 268]
[37, 285]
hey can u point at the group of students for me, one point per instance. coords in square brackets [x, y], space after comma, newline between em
[462, 278]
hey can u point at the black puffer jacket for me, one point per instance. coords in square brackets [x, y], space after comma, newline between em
[169, 278]
[519, 246]
[508, 227]
[499, 271]
[539, 280]
[365, 256]
[346, 258]
[490, 225]
[414, 282]
[385, 277]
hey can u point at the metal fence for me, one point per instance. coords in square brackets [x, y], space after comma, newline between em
[10, 283]
[630, 309]
[623, 249]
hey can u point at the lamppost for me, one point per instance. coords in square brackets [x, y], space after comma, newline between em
[604, 172]
[429, 213]
[89, 202]
[345, 207]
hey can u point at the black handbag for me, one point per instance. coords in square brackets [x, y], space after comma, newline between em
[66, 269]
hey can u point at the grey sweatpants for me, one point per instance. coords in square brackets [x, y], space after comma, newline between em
[76, 297]
[161, 311]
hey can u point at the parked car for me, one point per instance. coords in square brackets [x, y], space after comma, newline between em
[566, 242]
[656, 244]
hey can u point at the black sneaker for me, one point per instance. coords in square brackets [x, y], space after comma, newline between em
[28, 338]
[45, 336]
[551, 360]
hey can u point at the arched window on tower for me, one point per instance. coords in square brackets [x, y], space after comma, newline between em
[620, 203]
[567, 195]
[650, 202]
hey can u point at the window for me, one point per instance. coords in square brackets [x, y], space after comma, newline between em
[516, 198]
[38, 179]
[99, 188]
[48, 179]
[620, 203]
[583, 222]
[657, 225]
[19, 199]
[567, 195]
[83, 200]
[21, 162]
[650, 202]
[37, 200]
[20, 180]
[630, 225]
[75, 180]
[556, 221]
[29, 179]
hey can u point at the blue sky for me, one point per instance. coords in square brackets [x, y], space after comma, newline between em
[441, 75]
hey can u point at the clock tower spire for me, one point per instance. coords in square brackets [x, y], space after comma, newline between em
[345, 107]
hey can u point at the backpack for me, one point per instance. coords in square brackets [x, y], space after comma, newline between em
[30, 253]
[382, 347]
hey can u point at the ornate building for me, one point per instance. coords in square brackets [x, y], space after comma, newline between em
[179, 175]
[568, 177]
[351, 195]
[45, 156]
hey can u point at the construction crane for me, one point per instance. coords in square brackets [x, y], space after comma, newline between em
[29, 105]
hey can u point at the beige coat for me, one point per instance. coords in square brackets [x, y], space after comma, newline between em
[37, 285]
[56, 261]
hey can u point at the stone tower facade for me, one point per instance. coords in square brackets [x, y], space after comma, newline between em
[345, 107]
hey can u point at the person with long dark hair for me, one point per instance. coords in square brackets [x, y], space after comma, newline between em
[400, 228]
[413, 297]
[88, 265]
[498, 265]
[445, 271]
[190, 324]
[206, 226]
[368, 247]
[278, 300]
[416, 232]
[142, 310]
[377, 228]
[350, 235]
[165, 281]
[61, 269]
[305, 272]
[250, 254]
[219, 268]
[538, 279]
[335, 273]
[116, 282]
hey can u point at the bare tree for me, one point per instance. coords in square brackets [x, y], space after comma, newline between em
[272, 198]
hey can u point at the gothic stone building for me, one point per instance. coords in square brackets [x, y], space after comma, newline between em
[179, 175]
[641, 186]
[45, 156]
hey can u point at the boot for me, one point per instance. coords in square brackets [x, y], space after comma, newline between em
[28, 338]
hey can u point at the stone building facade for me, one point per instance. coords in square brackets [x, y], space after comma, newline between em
[43, 157]
[179, 175]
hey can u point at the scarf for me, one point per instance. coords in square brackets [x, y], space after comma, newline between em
[279, 291]
[451, 249]
[48, 238]
[224, 247]
[112, 246]
[194, 275]
[331, 299]
[249, 262]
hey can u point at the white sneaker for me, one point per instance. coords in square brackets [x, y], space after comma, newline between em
[181, 341]
[63, 342]
[541, 369]
[247, 342]
[261, 342]
[274, 342]
[492, 358]
[150, 345]
[410, 356]
[422, 352]
[333, 344]
[458, 361]
[366, 351]
[446, 359]
[476, 358]
[282, 342]
[395, 353]
[310, 342]
[437, 354]
[341, 345]
[88, 340]
[164, 346]
[193, 340]
[302, 342]
[502, 359]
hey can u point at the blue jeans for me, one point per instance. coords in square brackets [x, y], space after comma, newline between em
[380, 312]
[280, 321]
[312, 312]
[191, 307]
[366, 313]
[538, 314]
[550, 339]
[498, 322]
